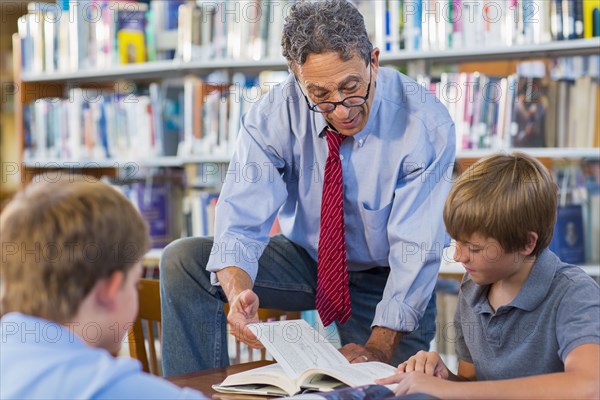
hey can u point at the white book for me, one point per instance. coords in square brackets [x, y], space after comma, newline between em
[395, 11]
[50, 40]
[541, 22]
[591, 113]
[503, 105]
[63, 57]
[37, 35]
[380, 18]
[305, 360]
[427, 26]
[74, 33]
[75, 106]
[235, 23]
[275, 27]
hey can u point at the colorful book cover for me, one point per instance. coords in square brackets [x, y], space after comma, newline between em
[153, 203]
[588, 18]
[568, 241]
[130, 36]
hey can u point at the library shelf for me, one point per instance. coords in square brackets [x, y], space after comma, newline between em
[176, 161]
[168, 161]
[563, 48]
[171, 68]
[451, 268]
[156, 70]
[574, 153]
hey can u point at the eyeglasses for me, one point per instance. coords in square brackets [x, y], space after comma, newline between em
[329, 106]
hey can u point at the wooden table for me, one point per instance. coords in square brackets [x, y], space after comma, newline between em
[203, 380]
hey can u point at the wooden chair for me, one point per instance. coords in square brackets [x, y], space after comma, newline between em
[149, 316]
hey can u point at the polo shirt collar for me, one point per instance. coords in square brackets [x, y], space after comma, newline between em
[475, 295]
[536, 286]
[321, 124]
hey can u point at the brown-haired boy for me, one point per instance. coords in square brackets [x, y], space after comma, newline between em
[528, 325]
[71, 260]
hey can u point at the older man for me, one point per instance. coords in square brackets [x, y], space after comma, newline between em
[354, 166]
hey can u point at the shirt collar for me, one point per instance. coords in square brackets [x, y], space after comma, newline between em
[538, 283]
[321, 124]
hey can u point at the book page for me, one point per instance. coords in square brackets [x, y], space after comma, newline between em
[297, 346]
[350, 374]
[254, 381]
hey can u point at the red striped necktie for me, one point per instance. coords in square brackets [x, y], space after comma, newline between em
[333, 299]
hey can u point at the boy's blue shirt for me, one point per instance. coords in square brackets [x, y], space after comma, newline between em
[556, 310]
[45, 360]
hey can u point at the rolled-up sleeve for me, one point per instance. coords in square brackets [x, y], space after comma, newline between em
[416, 231]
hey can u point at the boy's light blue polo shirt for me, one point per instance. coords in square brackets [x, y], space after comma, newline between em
[40, 359]
[557, 309]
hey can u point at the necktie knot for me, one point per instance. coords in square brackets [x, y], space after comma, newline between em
[334, 141]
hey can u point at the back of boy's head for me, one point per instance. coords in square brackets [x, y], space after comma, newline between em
[59, 239]
[504, 197]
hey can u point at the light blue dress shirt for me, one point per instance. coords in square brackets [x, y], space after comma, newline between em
[397, 173]
[40, 359]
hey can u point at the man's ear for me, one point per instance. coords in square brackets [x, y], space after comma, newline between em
[108, 288]
[375, 62]
[375, 56]
[532, 239]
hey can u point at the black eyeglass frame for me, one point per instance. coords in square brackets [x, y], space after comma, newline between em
[314, 108]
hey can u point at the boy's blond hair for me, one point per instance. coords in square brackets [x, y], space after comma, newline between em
[504, 196]
[60, 238]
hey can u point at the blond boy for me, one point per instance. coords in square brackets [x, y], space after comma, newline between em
[71, 260]
[528, 324]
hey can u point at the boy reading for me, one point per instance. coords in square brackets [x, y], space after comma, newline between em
[71, 260]
[528, 325]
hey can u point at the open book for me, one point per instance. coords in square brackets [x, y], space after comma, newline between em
[305, 362]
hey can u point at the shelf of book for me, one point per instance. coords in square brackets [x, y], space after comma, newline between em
[190, 96]
[454, 269]
[169, 68]
[170, 161]
[157, 70]
[539, 152]
[577, 47]
[176, 161]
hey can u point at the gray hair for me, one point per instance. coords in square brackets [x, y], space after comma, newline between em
[324, 26]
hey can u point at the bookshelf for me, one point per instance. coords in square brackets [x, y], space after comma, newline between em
[53, 84]
[176, 68]
[37, 85]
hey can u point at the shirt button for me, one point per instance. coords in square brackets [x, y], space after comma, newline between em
[341, 156]
[360, 142]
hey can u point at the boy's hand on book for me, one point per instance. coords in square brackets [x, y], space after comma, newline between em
[243, 310]
[430, 363]
[414, 382]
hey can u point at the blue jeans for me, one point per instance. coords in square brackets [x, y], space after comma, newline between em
[194, 335]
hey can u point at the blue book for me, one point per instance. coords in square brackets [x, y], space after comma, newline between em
[153, 203]
[568, 241]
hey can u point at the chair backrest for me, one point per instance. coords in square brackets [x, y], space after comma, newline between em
[240, 352]
[149, 317]
[149, 320]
